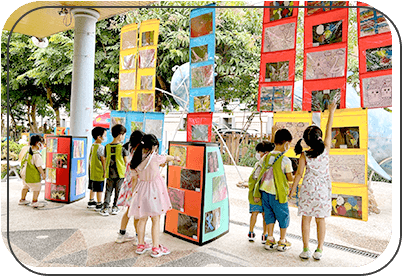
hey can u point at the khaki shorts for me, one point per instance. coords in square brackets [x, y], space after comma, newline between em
[31, 186]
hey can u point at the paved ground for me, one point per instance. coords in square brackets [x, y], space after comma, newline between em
[71, 236]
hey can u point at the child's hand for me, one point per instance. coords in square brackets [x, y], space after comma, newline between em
[256, 199]
[291, 193]
[332, 107]
[177, 158]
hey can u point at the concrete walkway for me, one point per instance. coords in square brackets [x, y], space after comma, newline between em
[70, 235]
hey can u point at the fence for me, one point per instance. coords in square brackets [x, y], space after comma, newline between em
[241, 147]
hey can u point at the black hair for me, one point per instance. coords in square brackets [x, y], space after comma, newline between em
[264, 146]
[146, 143]
[282, 136]
[33, 141]
[117, 130]
[135, 139]
[313, 138]
[97, 131]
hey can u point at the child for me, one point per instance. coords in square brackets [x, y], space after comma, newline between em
[273, 189]
[126, 191]
[150, 196]
[315, 193]
[96, 171]
[116, 160]
[31, 172]
[262, 148]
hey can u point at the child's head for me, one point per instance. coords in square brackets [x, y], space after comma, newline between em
[263, 148]
[148, 144]
[99, 132]
[118, 132]
[135, 138]
[282, 139]
[36, 141]
[313, 138]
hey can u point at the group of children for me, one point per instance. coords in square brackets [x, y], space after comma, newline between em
[269, 189]
[132, 174]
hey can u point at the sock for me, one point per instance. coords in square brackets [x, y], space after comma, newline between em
[92, 200]
[282, 241]
[318, 250]
[122, 232]
[270, 237]
[306, 249]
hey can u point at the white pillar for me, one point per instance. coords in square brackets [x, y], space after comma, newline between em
[82, 88]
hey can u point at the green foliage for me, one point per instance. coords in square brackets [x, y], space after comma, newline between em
[249, 158]
[14, 148]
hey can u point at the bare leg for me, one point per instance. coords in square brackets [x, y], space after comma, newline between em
[270, 229]
[141, 229]
[265, 230]
[135, 223]
[92, 194]
[252, 223]
[155, 230]
[283, 231]
[306, 228]
[124, 221]
[99, 196]
[24, 194]
[321, 230]
[35, 196]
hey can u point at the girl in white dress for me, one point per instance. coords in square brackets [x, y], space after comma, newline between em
[316, 189]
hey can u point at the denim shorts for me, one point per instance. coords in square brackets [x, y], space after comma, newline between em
[255, 208]
[273, 210]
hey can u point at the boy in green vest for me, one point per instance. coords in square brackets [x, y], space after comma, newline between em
[97, 163]
[273, 189]
[116, 159]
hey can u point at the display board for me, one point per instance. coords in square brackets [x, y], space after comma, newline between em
[198, 192]
[348, 162]
[325, 55]
[66, 168]
[277, 63]
[201, 57]
[375, 58]
[149, 123]
[137, 66]
[199, 127]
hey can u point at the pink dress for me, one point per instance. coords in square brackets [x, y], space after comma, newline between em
[316, 190]
[150, 196]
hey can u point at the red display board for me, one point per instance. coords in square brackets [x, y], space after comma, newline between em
[325, 55]
[277, 63]
[199, 127]
[375, 58]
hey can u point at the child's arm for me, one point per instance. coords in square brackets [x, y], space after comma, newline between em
[43, 175]
[134, 178]
[172, 158]
[103, 161]
[328, 138]
[298, 175]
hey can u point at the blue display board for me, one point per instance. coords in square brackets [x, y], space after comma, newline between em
[149, 123]
[79, 166]
[201, 56]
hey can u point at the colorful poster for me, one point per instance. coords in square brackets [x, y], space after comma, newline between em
[345, 137]
[177, 198]
[80, 185]
[178, 151]
[201, 59]
[51, 175]
[277, 60]
[212, 222]
[375, 58]
[58, 192]
[80, 167]
[78, 151]
[325, 55]
[59, 161]
[347, 206]
[190, 179]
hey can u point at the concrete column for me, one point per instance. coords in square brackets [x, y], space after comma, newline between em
[82, 88]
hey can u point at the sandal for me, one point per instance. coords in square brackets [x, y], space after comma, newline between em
[159, 251]
[142, 248]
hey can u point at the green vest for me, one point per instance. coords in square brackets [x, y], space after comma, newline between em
[32, 174]
[280, 180]
[120, 163]
[251, 183]
[96, 168]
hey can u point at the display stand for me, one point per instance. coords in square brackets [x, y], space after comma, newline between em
[66, 168]
[198, 191]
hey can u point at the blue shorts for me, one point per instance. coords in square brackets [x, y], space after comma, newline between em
[255, 208]
[273, 210]
[96, 186]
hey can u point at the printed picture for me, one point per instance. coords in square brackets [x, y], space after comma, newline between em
[213, 219]
[177, 198]
[136, 126]
[58, 192]
[347, 168]
[51, 175]
[78, 151]
[296, 129]
[129, 40]
[179, 151]
[200, 133]
[199, 54]
[129, 62]
[147, 38]
[59, 161]
[330, 4]
[275, 98]
[126, 104]
[201, 25]
[325, 64]
[147, 58]
[127, 81]
[280, 13]
[146, 82]
[80, 185]
[219, 188]
[372, 22]
[212, 162]
[278, 38]
[190, 179]
[377, 91]
[346, 137]
[202, 103]
[154, 126]
[327, 33]
[202, 76]
[187, 225]
[118, 120]
[321, 99]
[145, 102]
[276, 72]
[347, 206]
[379, 58]
[80, 167]
[51, 145]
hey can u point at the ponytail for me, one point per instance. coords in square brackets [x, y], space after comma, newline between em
[298, 147]
[147, 142]
[317, 148]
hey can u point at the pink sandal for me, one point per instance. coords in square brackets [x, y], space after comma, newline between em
[159, 251]
[142, 248]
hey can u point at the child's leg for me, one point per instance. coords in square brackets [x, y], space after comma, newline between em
[24, 193]
[92, 193]
[118, 185]
[155, 230]
[136, 223]
[321, 230]
[252, 223]
[35, 196]
[108, 192]
[99, 196]
[305, 228]
[265, 231]
[124, 221]
[141, 229]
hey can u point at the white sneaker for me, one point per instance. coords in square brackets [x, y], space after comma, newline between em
[305, 255]
[317, 255]
[124, 238]
[23, 202]
[37, 205]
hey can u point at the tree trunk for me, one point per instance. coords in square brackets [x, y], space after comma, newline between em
[34, 125]
[57, 112]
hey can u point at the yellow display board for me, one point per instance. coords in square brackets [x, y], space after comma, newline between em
[137, 66]
[348, 162]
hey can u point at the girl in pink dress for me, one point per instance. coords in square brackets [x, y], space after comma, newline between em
[150, 196]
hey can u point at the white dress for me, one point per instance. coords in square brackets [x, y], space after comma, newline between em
[316, 189]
